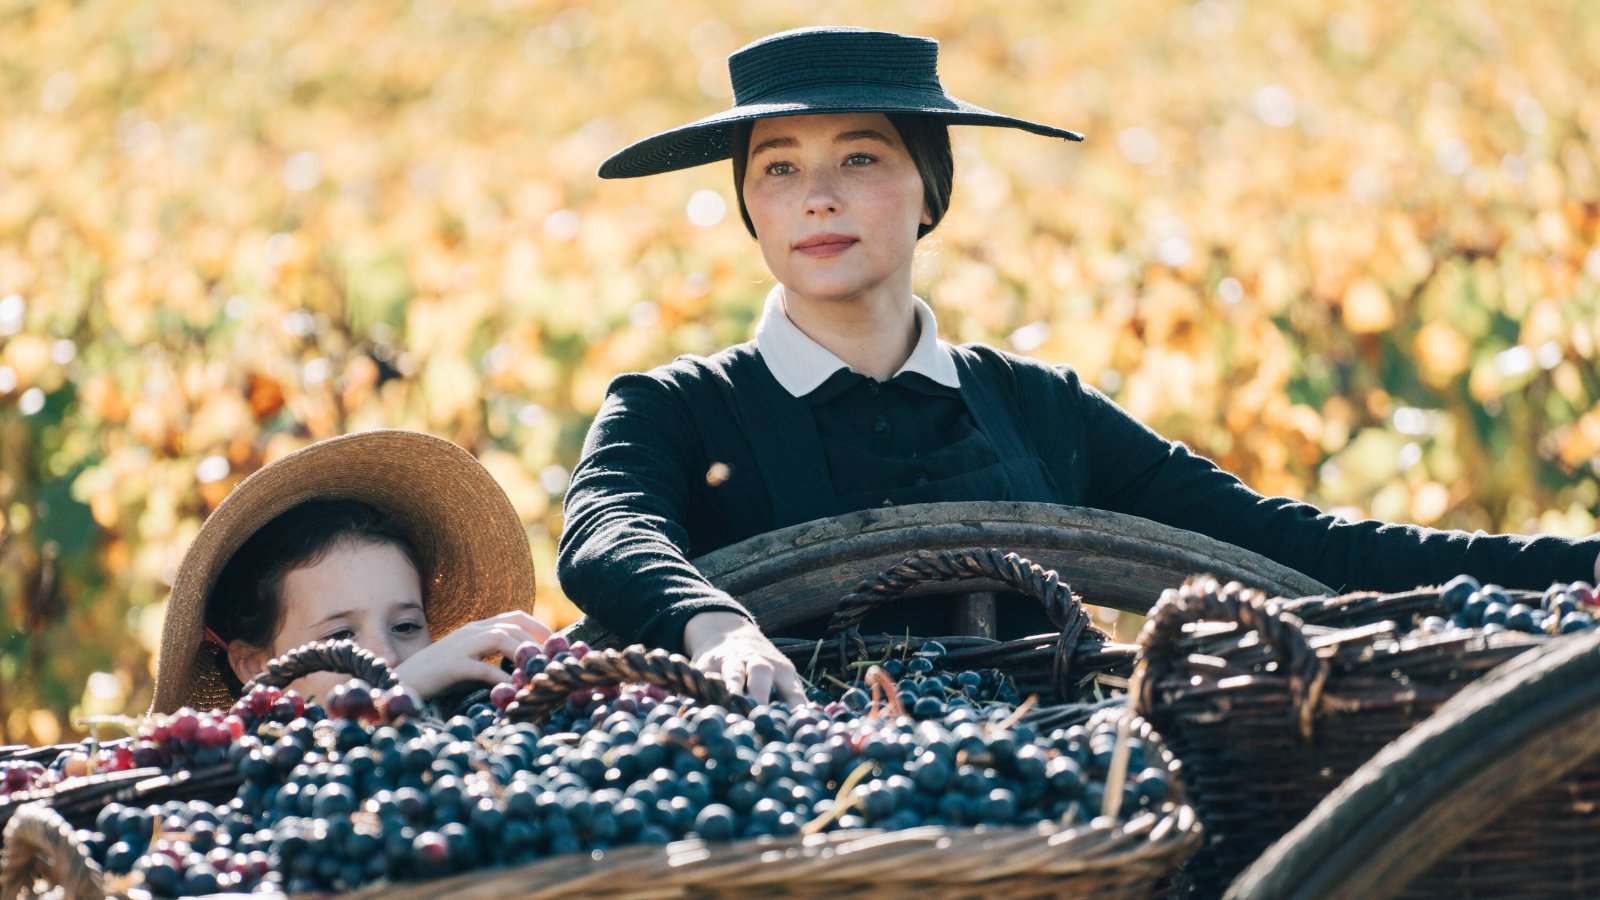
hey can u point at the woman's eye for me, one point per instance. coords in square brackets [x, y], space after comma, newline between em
[860, 159]
[407, 628]
[779, 168]
[343, 634]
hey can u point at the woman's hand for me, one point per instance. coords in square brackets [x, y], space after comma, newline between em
[729, 645]
[459, 656]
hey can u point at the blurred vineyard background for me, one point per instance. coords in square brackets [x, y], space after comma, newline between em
[1348, 249]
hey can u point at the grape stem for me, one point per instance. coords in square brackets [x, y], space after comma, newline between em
[842, 802]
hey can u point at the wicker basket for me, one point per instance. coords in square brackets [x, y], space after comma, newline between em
[1496, 795]
[1270, 714]
[1100, 858]
[77, 801]
[1077, 663]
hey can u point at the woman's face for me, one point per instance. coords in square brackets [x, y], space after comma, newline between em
[836, 201]
[361, 591]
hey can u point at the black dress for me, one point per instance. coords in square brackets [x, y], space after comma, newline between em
[705, 452]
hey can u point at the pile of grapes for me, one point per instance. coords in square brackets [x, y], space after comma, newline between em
[926, 688]
[368, 787]
[186, 741]
[1562, 609]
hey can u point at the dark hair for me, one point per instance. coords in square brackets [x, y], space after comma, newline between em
[927, 140]
[246, 603]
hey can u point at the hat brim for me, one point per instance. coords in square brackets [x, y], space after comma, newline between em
[710, 139]
[469, 538]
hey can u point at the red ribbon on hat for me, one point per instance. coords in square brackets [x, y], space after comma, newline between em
[215, 638]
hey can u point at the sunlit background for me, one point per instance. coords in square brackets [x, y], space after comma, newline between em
[1347, 249]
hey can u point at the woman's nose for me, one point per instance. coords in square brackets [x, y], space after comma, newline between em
[822, 197]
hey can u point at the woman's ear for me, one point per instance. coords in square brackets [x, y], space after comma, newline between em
[247, 660]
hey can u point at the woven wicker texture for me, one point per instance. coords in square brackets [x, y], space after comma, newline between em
[602, 668]
[1495, 795]
[1059, 668]
[41, 853]
[344, 657]
[1270, 715]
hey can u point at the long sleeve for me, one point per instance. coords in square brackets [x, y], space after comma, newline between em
[623, 556]
[1136, 471]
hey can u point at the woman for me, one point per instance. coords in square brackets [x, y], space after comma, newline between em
[846, 399]
[397, 540]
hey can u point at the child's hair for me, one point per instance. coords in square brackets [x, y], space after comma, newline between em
[246, 604]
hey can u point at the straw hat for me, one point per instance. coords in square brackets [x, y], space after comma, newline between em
[474, 552]
[811, 71]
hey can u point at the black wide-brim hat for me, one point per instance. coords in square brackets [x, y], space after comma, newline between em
[814, 71]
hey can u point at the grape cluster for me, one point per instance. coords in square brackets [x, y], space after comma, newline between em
[1562, 609]
[22, 775]
[181, 848]
[339, 797]
[923, 686]
[185, 739]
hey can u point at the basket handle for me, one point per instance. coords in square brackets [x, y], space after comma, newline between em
[39, 843]
[1203, 598]
[344, 657]
[603, 668]
[926, 567]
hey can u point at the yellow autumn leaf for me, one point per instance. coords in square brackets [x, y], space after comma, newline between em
[1367, 308]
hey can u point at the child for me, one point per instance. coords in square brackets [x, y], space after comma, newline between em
[397, 540]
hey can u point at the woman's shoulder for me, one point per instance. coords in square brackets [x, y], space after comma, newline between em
[1025, 372]
[691, 371]
[690, 382]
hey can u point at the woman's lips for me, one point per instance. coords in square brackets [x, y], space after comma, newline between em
[820, 246]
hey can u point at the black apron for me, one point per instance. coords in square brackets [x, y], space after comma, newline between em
[996, 461]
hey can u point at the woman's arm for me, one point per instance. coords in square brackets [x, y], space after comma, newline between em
[623, 555]
[1136, 471]
[624, 550]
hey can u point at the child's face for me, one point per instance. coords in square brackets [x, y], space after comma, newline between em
[360, 591]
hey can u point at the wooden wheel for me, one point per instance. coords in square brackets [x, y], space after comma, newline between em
[796, 574]
[1494, 745]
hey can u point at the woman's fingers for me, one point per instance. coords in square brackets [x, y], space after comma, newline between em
[733, 673]
[788, 685]
[746, 660]
[758, 675]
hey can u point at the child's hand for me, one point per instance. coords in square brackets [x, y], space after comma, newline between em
[459, 656]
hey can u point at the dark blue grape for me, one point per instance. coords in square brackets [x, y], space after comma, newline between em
[1455, 593]
[715, 822]
[1520, 618]
[1575, 621]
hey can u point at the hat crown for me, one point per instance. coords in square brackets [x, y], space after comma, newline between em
[794, 63]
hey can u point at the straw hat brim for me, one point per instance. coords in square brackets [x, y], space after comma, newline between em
[710, 139]
[469, 538]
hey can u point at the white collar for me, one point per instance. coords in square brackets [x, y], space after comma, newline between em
[801, 364]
